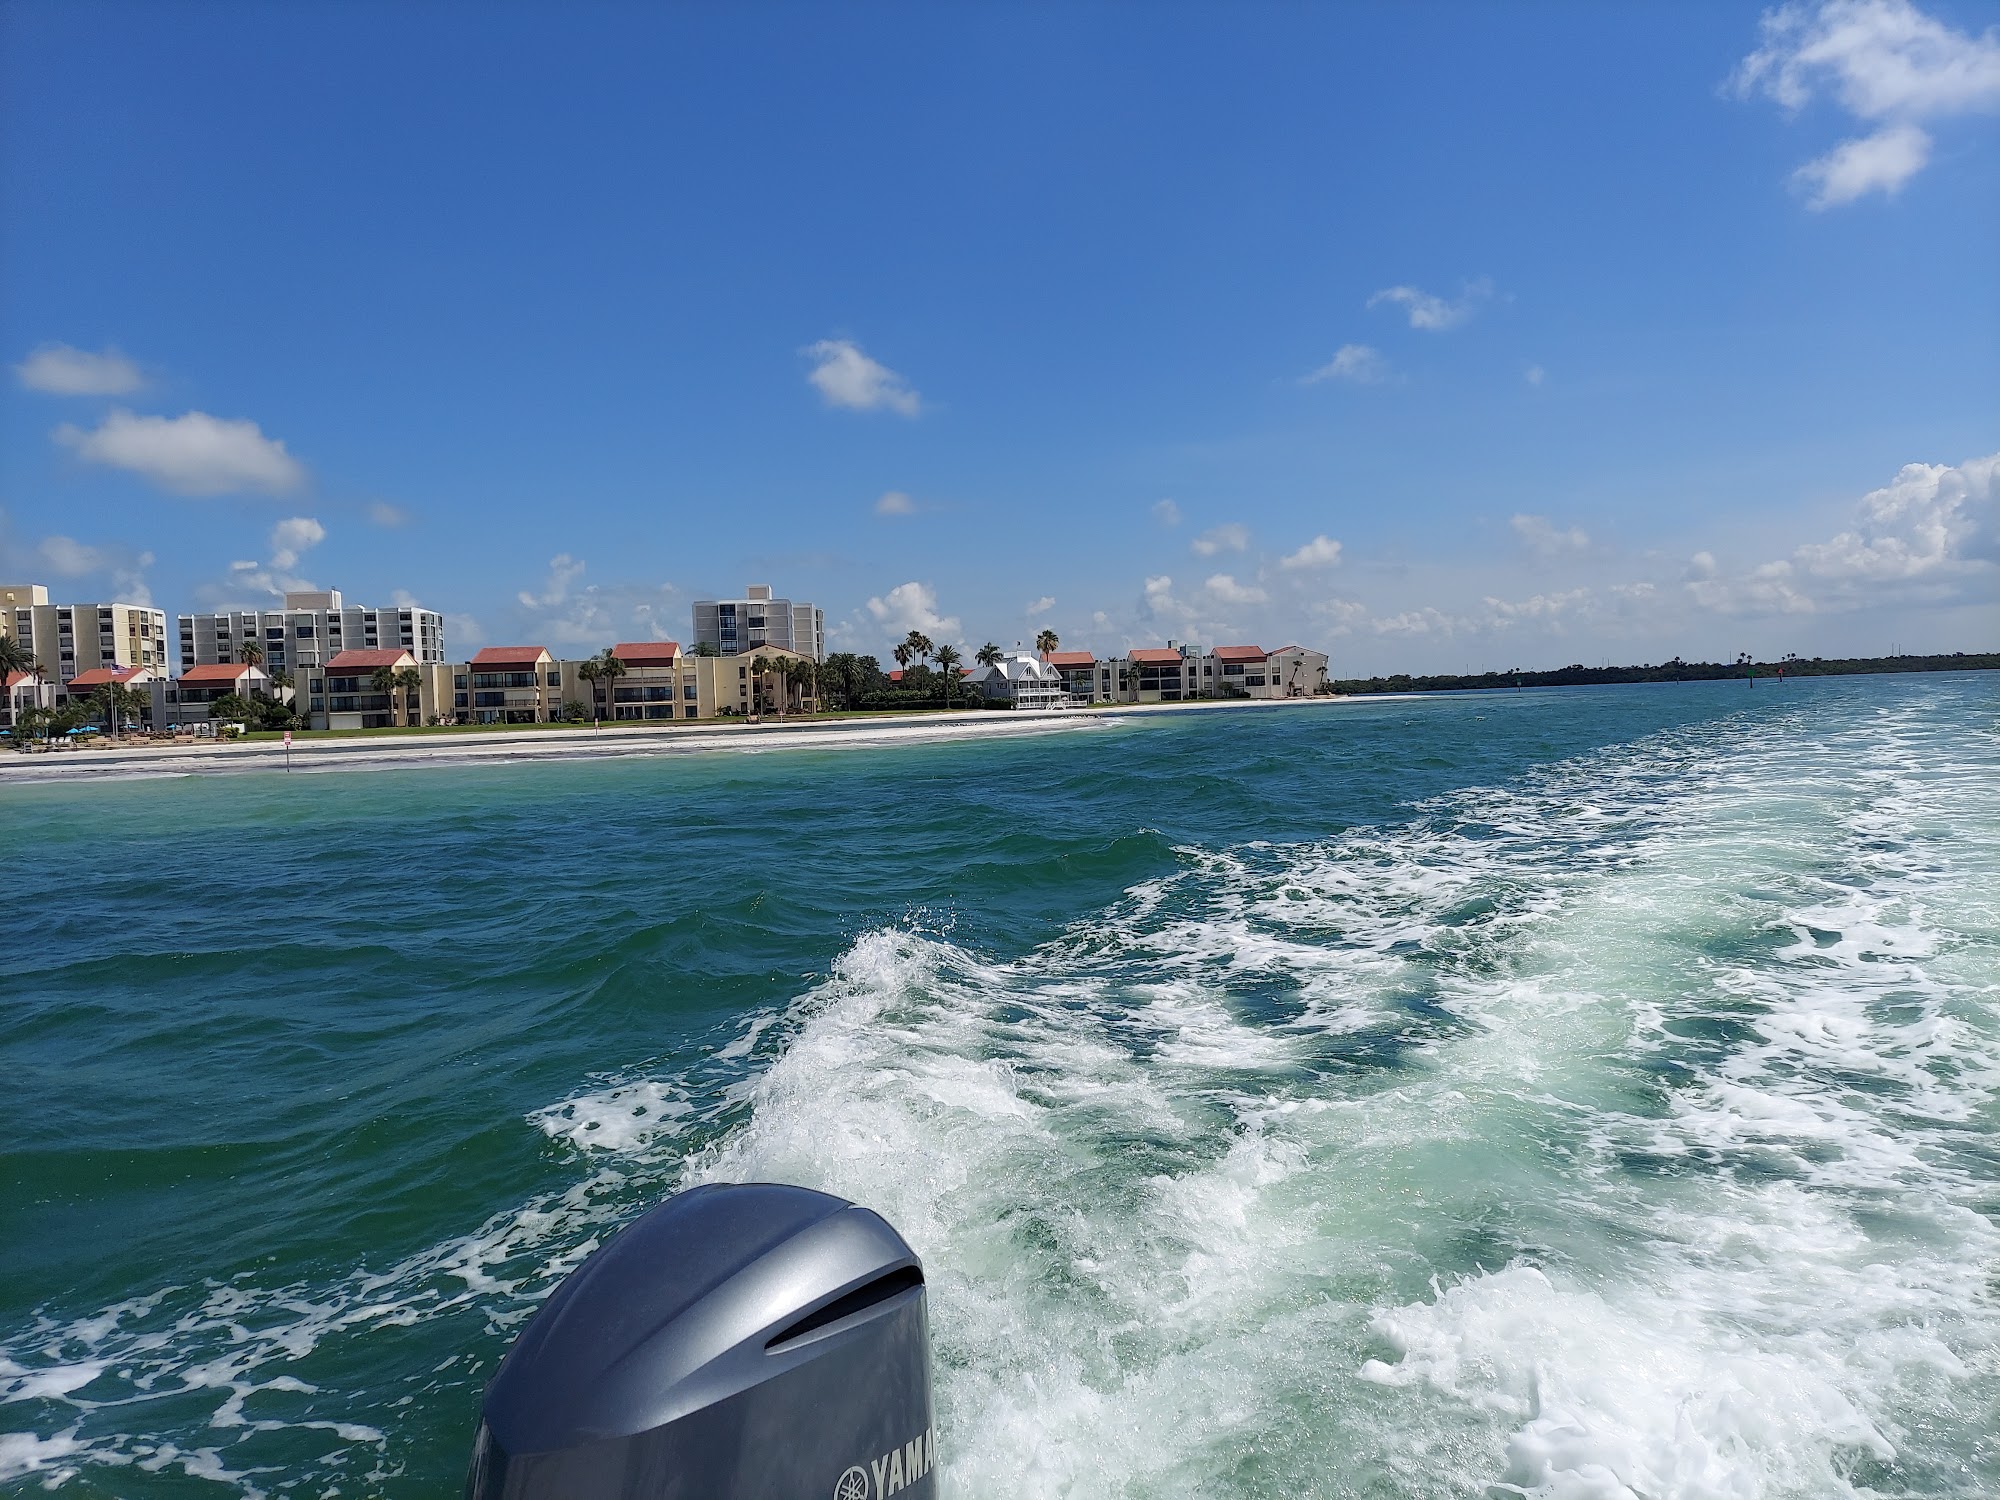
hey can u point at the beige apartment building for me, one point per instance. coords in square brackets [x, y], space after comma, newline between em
[189, 698]
[70, 639]
[1176, 674]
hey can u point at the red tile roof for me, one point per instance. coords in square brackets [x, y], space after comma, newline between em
[368, 661]
[15, 679]
[510, 656]
[647, 653]
[1155, 656]
[1069, 658]
[228, 671]
[98, 676]
[1241, 653]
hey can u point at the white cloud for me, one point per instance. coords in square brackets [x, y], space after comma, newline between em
[194, 454]
[1542, 535]
[62, 371]
[895, 503]
[1534, 374]
[1041, 606]
[1226, 590]
[1886, 63]
[1320, 552]
[68, 558]
[564, 570]
[290, 540]
[563, 616]
[292, 536]
[1228, 537]
[913, 606]
[382, 513]
[1931, 535]
[1166, 513]
[844, 376]
[1432, 313]
[463, 632]
[1878, 163]
[1356, 363]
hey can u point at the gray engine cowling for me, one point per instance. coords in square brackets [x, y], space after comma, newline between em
[734, 1342]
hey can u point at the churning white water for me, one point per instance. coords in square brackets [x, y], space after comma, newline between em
[1626, 1133]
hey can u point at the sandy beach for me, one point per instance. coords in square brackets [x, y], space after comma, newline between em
[498, 746]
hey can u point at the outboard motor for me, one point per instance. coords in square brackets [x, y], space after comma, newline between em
[734, 1343]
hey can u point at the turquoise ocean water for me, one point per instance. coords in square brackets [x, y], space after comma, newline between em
[1583, 1094]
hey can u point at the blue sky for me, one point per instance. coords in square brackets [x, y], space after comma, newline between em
[1433, 335]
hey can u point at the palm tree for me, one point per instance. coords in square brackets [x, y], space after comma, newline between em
[916, 647]
[1047, 641]
[383, 680]
[251, 654]
[760, 668]
[604, 667]
[987, 654]
[410, 680]
[281, 682]
[14, 657]
[947, 658]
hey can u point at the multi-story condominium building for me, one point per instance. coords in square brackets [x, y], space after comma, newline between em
[509, 685]
[309, 632]
[345, 696]
[69, 639]
[188, 698]
[1175, 674]
[733, 626]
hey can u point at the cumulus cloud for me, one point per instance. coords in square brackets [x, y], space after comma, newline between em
[61, 370]
[895, 503]
[293, 536]
[1546, 538]
[1878, 163]
[564, 571]
[1432, 313]
[1226, 590]
[192, 454]
[1041, 606]
[289, 541]
[1320, 552]
[913, 606]
[1355, 363]
[565, 616]
[844, 376]
[1166, 513]
[464, 632]
[1887, 64]
[1228, 537]
[68, 558]
[1931, 535]
[382, 513]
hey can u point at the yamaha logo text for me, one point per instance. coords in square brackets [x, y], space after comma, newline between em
[893, 1471]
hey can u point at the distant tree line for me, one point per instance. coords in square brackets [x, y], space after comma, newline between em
[1676, 670]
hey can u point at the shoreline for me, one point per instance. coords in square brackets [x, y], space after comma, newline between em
[474, 747]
